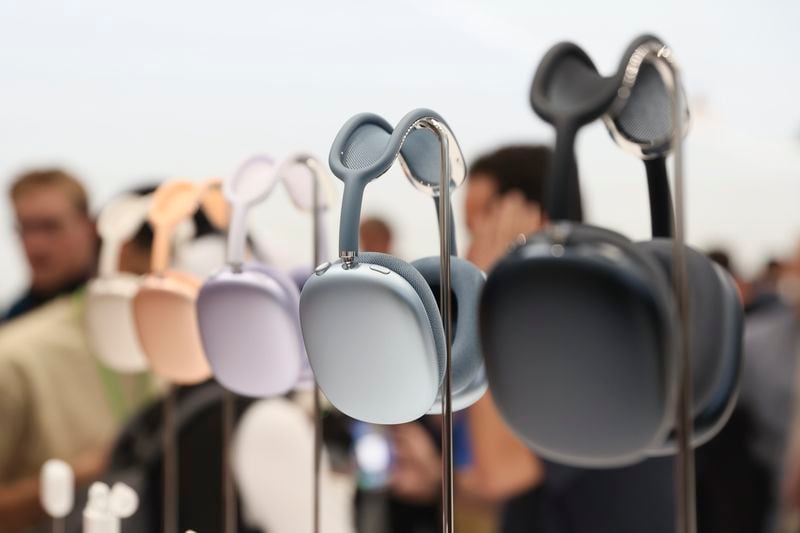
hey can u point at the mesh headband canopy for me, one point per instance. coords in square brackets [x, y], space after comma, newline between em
[250, 186]
[367, 146]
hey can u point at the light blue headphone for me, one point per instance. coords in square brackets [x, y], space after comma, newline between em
[370, 321]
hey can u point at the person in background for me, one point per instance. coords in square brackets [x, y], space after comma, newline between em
[755, 296]
[504, 200]
[375, 235]
[56, 399]
[769, 393]
[732, 485]
[58, 235]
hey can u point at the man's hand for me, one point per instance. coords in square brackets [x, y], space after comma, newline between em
[417, 470]
[509, 217]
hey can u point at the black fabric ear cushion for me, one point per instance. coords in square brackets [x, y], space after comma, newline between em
[417, 281]
[715, 328]
[466, 282]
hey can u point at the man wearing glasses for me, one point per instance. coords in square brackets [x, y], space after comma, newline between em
[57, 233]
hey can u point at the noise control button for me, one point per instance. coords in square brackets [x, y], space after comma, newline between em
[380, 269]
[321, 269]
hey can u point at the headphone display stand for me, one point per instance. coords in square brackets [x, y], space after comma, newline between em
[229, 510]
[170, 463]
[685, 475]
[317, 413]
[445, 308]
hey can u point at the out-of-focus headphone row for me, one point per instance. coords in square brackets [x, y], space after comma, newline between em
[576, 330]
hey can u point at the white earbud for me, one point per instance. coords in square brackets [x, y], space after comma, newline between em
[57, 488]
[106, 506]
[123, 501]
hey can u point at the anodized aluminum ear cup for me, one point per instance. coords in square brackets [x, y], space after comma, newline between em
[110, 323]
[390, 306]
[164, 310]
[250, 328]
[577, 329]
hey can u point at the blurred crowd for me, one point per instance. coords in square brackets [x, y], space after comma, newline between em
[58, 400]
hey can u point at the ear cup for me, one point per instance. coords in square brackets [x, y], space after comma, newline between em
[166, 319]
[578, 332]
[420, 285]
[716, 324]
[466, 282]
[372, 340]
[250, 328]
[110, 323]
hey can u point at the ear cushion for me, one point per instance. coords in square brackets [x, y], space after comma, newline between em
[466, 282]
[420, 285]
[300, 275]
[715, 328]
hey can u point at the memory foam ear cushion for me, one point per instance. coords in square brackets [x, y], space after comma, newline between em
[714, 329]
[300, 275]
[420, 285]
[466, 283]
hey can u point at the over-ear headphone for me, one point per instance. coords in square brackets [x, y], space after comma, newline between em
[370, 321]
[248, 312]
[164, 307]
[274, 440]
[579, 324]
[109, 313]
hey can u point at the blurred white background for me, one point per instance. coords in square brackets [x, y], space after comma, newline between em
[122, 93]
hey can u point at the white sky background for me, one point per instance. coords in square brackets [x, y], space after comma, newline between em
[121, 92]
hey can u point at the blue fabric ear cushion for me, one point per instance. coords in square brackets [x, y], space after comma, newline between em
[466, 282]
[418, 283]
[716, 329]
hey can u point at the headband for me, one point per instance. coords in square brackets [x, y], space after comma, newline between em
[175, 201]
[305, 179]
[367, 146]
[569, 92]
[117, 223]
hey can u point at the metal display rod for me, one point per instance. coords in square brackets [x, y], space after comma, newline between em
[685, 479]
[317, 400]
[445, 308]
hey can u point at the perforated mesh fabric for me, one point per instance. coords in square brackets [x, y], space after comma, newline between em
[466, 284]
[418, 283]
[365, 146]
[422, 154]
[647, 115]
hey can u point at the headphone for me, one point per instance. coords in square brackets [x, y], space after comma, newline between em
[370, 321]
[274, 439]
[579, 324]
[164, 306]
[109, 315]
[248, 312]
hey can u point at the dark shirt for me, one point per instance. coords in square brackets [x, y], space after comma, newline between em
[31, 299]
[633, 499]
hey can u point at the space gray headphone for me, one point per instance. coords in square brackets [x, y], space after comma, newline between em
[580, 325]
[371, 325]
